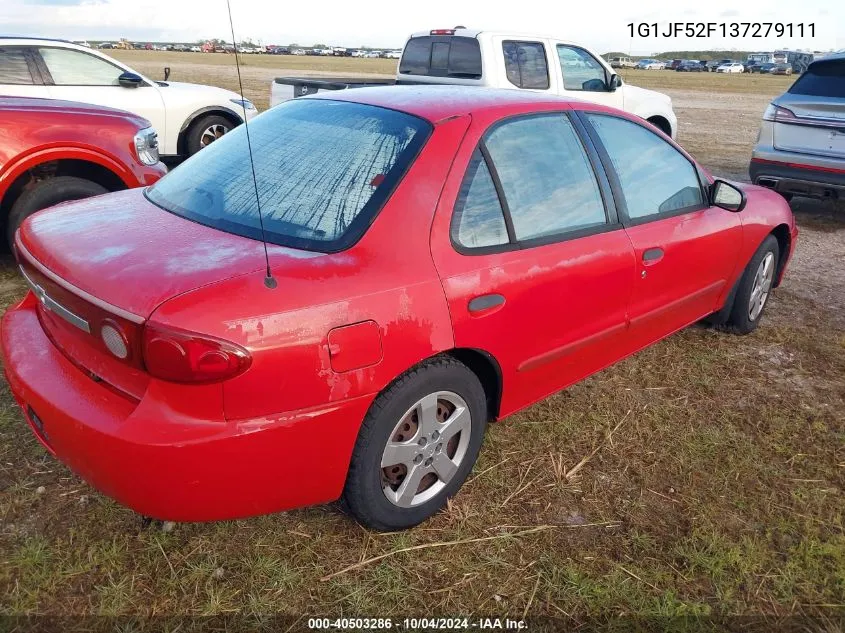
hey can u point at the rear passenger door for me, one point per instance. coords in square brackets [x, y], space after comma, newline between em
[19, 73]
[524, 64]
[536, 268]
[686, 251]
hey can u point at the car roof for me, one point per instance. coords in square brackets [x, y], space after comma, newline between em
[22, 40]
[832, 57]
[435, 103]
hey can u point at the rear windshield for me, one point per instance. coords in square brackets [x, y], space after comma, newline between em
[442, 56]
[822, 79]
[323, 169]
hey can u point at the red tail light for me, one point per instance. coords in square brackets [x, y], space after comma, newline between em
[187, 357]
[779, 114]
[443, 32]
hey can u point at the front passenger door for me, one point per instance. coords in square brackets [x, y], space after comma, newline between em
[686, 251]
[585, 77]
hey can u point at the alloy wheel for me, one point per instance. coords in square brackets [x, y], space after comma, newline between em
[762, 286]
[425, 449]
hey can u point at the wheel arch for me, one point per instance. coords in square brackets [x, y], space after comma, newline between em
[661, 123]
[86, 164]
[782, 235]
[223, 111]
[485, 366]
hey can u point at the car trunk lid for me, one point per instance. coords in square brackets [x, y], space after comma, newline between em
[113, 260]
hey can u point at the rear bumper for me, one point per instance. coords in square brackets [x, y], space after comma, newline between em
[784, 173]
[163, 464]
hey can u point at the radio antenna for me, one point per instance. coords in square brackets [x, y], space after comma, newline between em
[268, 279]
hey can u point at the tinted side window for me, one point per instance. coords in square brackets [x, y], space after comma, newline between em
[478, 219]
[13, 67]
[822, 80]
[581, 71]
[525, 64]
[655, 177]
[74, 68]
[547, 179]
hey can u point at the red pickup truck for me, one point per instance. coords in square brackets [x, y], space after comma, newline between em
[54, 151]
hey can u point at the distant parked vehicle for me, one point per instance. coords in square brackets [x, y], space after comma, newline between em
[186, 116]
[801, 149]
[196, 49]
[63, 151]
[82, 43]
[374, 54]
[298, 51]
[651, 64]
[733, 67]
[781, 69]
[105, 45]
[762, 69]
[689, 66]
[673, 65]
[622, 62]
[393, 54]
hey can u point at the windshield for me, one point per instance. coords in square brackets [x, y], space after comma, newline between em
[323, 169]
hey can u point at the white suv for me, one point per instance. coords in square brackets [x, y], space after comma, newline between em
[187, 117]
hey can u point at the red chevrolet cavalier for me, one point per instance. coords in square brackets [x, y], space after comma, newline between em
[438, 258]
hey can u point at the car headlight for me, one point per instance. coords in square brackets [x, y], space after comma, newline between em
[246, 104]
[146, 146]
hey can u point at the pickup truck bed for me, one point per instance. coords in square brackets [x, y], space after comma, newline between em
[287, 88]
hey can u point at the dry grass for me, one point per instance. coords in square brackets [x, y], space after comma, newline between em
[710, 482]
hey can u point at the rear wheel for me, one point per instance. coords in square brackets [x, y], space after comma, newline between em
[416, 446]
[752, 296]
[45, 194]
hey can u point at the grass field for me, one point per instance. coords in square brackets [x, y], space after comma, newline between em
[703, 476]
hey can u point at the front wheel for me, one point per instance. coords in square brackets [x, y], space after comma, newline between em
[754, 288]
[46, 193]
[416, 446]
[205, 131]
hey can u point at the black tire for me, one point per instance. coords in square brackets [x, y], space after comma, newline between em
[45, 194]
[194, 141]
[741, 320]
[364, 495]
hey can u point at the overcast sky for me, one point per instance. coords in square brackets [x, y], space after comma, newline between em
[600, 24]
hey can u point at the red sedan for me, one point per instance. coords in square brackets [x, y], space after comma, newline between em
[438, 258]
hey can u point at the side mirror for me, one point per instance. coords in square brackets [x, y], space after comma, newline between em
[130, 80]
[726, 196]
[614, 82]
[166, 73]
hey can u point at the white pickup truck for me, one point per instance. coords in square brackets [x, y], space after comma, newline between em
[502, 60]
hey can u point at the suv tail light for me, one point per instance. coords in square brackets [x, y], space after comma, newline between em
[187, 357]
[778, 114]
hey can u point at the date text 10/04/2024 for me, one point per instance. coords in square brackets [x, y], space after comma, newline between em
[722, 29]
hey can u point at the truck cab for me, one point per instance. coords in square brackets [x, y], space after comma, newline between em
[498, 59]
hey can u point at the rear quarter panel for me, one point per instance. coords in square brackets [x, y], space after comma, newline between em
[387, 277]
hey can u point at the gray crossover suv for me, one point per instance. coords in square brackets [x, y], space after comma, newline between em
[801, 147]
